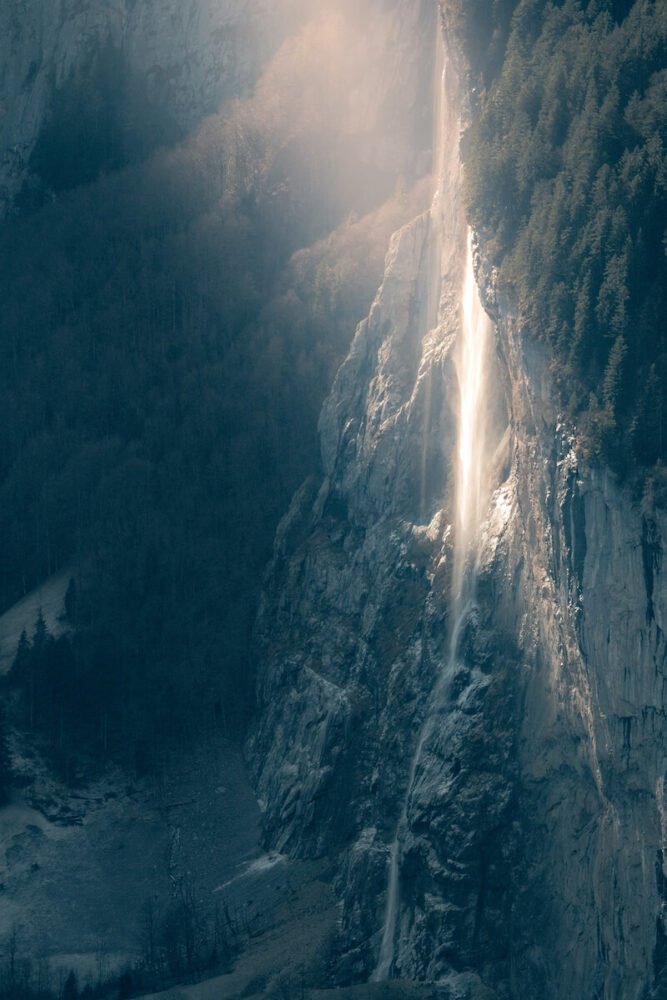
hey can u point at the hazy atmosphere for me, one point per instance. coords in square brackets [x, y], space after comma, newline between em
[332, 499]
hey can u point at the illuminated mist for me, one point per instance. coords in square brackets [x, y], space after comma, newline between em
[470, 461]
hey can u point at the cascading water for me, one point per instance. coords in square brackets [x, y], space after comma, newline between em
[470, 487]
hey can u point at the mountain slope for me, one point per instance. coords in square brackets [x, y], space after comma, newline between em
[532, 848]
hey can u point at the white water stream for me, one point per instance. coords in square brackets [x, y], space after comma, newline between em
[470, 487]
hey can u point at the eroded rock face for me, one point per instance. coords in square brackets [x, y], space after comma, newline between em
[533, 860]
[190, 54]
[186, 57]
[592, 740]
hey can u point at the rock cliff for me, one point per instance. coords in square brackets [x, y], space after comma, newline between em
[186, 58]
[190, 56]
[533, 860]
[534, 856]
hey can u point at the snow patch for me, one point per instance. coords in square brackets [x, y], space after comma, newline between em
[49, 598]
[259, 866]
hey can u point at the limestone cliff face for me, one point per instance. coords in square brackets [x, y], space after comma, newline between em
[188, 56]
[533, 861]
[582, 583]
[191, 54]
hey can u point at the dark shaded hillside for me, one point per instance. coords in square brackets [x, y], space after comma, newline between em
[101, 119]
[567, 179]
[165, 353]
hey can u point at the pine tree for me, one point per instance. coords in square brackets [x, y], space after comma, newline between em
[71, 988]
[646, 427]
[613, 376]
[125, 986]
[71, 601]
[6, 772]
[22, 658]
[41, 635]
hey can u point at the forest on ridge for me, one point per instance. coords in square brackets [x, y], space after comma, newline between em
[566, 171]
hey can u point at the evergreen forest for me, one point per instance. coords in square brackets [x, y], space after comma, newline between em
[566, 169]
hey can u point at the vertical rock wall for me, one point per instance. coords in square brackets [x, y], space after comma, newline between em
[191, 54]
[535, 857]
[533, 864]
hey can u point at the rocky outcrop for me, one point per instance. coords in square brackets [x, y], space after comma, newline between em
[533, 860]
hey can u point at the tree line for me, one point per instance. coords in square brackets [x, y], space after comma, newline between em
[179, 943]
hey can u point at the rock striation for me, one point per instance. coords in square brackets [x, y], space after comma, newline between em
[533, 863]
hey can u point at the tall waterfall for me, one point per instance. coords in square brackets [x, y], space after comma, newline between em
[469, 463]
[471, 486]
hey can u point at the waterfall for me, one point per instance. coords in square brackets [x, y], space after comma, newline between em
[470, 486]
[471, 447]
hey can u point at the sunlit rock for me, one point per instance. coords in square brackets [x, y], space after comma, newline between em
[533, 841]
